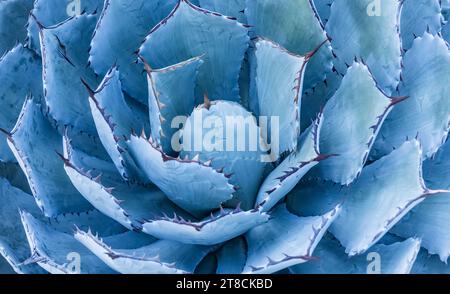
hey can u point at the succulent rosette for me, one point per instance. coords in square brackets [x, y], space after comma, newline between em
[213, 136]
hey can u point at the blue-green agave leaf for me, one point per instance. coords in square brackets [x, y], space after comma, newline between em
[295, 26]
[233, 8]
[171, 94]
[426, 114]
[190, 31]
[397, 258]
[384, 193]
[446, 32]
[286, 176]
[419, 17]
[372, 35]
[237, 249]
[114, 42]
[126, 203]
[18, 71]
[34, 143]
[64, 58]
[5, 267]
[292, 240]
[208, 187]
[53, 249]
[430, 220]
[13, 20]
[207, 266]
[160, 257]
[52, 12]
[278, 82]
[231, 142]
[445, 9]
[13, 241]
[115, 121]
[221, 226]
[352, 119]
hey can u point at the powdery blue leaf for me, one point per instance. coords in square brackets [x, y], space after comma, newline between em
[227, 137]
[233, 8]
[430, 220]
[160, 257]
[208, 188]
[384, 193]
[207, 266]
[19, 69]
[323, 9]
[292, 240]
[115, 121]
[360, 29]
[55, 251]
[114, 42]
[171, 94]
[52, 12]
[446, 32]
[12, 172]
[64, 58]
[277, 88]
[295, 26]
[232, 256]
[126, 203]
[397, 258]
[5, 267]
[429, 265]
[315, 99]
[218, 228]
[13, 241]
[426, 114]
[34, 143]
[190, 31]
[352, 119]
[13, 20]
[419, 17]
[286, 175]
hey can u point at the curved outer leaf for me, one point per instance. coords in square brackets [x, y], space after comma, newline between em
[430, 220]
[52, 12]
[115, 121]
[426, 114]
[225, 136]
[126, 203]
[160, 257]
[295, 26]
[232, 256]
[292, 240]
[220, 227]
[208, 188]
[419, 17]
[233, 8]
[64, 58]
[13, 242]
[114, 42]
[18, 71]
[278, 81]
[34, 142]
[386, 191]
[171, 94]
[13, 19]
[396, 258]
[287, 175]
[375, 39]
[352, 119]
[190, 31]
[51, 249]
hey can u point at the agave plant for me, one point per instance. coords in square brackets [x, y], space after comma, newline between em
[237, 136]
